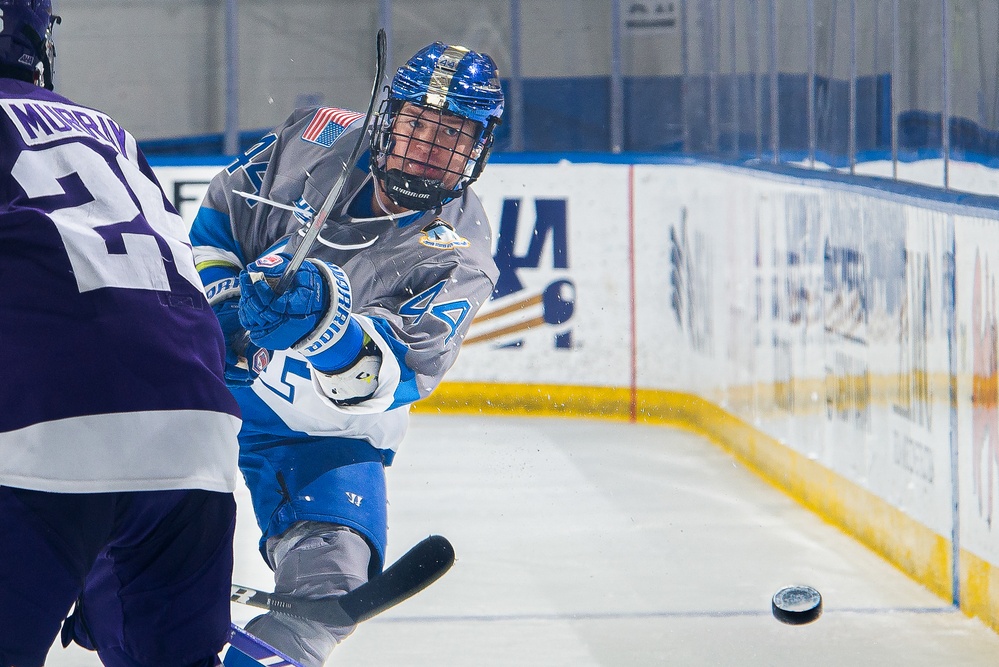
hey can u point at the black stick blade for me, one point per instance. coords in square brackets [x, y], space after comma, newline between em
[419, 567]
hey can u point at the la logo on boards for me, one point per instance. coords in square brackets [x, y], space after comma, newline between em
[534, 290]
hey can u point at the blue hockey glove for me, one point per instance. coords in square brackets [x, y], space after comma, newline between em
[275, 321]
[244, 361]
[337, 339]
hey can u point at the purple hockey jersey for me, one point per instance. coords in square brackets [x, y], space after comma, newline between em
[112, 358]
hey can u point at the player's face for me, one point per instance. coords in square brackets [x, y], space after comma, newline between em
[430, 144]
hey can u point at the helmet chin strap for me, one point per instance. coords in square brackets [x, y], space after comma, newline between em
[405, 211]
[384, 205]
[413, 192]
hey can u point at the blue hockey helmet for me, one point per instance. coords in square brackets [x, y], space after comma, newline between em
[26, 49]
[451, 81]
[451, 78]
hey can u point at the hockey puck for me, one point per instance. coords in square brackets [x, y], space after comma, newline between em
[797, 605]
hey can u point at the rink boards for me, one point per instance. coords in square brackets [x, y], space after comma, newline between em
[842, 339]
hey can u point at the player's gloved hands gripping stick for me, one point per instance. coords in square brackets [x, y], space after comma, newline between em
[312, 317]
[244, 361]
[242, 366]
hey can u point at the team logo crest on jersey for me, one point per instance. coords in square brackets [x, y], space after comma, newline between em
[260, 360]
[268, 261]
[328, 124]
[442, 236]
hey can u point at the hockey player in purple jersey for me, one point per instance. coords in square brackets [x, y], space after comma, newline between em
[118, 434]
[371, 323]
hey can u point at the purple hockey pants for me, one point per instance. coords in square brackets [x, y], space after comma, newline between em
[150, 574]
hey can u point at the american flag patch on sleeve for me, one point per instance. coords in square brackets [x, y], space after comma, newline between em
[328, 124]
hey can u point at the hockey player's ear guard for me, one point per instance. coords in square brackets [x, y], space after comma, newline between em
[27, 52]
[432, 136]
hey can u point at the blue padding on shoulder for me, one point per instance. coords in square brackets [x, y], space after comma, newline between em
[213, 228]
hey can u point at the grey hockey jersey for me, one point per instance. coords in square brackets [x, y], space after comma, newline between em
[416, 280]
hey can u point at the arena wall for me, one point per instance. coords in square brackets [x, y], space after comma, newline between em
[839, 336]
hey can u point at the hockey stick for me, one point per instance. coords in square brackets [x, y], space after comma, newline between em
[258, 651]
[419, 567]
[319, 219]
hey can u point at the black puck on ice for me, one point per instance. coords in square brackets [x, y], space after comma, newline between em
[797, 605]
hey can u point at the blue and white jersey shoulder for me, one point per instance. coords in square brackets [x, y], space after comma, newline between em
[113, 357]
[293, 166]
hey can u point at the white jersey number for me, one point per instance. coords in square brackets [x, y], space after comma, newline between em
[111, 201]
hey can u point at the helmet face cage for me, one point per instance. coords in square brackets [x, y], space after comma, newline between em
[432, 136]
[27, 51]
[424, 157]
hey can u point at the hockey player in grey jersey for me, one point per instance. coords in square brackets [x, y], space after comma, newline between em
[371, 323]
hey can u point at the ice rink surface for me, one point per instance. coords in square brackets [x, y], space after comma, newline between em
[586, 543]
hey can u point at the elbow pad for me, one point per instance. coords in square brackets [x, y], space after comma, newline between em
[354, 383]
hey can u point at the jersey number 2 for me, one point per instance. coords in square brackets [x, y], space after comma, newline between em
[108, 200]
